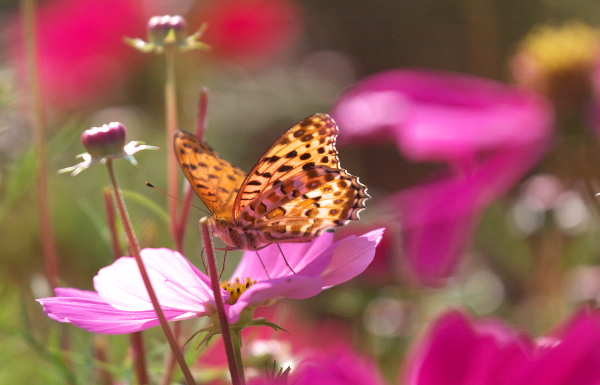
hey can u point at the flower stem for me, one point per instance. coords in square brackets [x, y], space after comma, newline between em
[136, 339]
[39, 125]
[135, 249]
[172, 124]
[200, 129]
[236, 371]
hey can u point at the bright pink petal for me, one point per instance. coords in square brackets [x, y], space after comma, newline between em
[240, 29]
[295, 286]
[437, 115]
[298, 255]
[351, 256]
[490, 135]
[459, 351]
[439, 218]
[570, 356]
[86, 310]
[340, 366]
[81, 51]
[176, 282]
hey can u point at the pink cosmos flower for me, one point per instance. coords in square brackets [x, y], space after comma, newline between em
[81, 50]
[121, 303]
[488, 134]
[461, 351]
[251, 29]
[332, 366]
[341, 366]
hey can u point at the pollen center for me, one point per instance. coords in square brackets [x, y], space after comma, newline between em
[237, 288]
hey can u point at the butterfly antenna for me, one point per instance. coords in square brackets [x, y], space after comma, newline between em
[180, 200]
[284, 258]
[263, 264]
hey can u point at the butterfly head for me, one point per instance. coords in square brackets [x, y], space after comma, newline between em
[221, 224]
[222, 229]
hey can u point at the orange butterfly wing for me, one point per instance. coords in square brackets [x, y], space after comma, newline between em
[297, 189]
[215, 180]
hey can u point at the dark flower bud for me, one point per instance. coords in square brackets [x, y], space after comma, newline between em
[105, 141]
[159, 28]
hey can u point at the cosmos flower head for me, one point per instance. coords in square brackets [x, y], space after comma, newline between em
[487, 135]
[121, 304]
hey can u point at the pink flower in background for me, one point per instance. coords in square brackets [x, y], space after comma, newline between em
[80, 45]
[487, 133]
[461, 351]
[121, 303]
[251, 29]
[331, 366]
[341, 366]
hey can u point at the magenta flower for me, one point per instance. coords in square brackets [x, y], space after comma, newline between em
[341, 366]
[81, 50]
[488, 134]
[121, 303]
[244, 30]
[334, 366]
[460, 351]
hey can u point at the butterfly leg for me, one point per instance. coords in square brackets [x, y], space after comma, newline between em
[224, 263]
[203, 259]
[284, 258]
[263, 264]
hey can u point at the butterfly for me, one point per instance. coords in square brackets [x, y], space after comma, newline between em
[295, 191]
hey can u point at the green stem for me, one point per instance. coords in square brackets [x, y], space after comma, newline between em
[135, 249]
[236, 370]
[237, 348]
[39, 125]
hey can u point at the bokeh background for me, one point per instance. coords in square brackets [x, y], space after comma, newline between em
[274, 62]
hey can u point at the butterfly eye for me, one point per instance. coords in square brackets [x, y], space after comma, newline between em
[222, 224]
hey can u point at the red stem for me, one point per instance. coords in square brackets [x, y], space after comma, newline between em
[237, 373]
[39, 125]
[136, 339]
[135, 248]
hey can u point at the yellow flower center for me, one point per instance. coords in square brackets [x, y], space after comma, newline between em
[237, 288]
[562, 48]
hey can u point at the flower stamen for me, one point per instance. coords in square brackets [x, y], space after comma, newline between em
[237, 288]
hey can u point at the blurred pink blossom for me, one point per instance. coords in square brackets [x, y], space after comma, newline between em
[487, 133]
[463, 351]
[331, 366]
[245, 30]
[80, 46]
[121, 303]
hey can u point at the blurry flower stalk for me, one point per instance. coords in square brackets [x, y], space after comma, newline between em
[168, 35]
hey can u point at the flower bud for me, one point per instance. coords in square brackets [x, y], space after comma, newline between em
[159, 28]
[105, 141]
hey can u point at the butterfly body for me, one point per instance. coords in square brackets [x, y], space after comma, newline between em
[296, 190]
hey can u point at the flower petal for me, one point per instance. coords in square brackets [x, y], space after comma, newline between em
[460, 351]
[351, 256]
[177, 283]
[298, 255]
[86, 310]
[294, 286]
